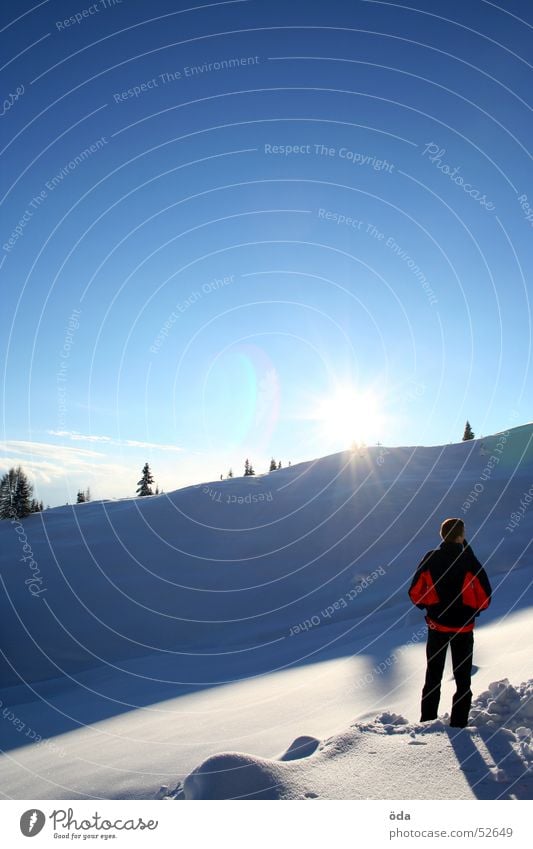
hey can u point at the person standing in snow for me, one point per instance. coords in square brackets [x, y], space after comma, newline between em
[452, 586]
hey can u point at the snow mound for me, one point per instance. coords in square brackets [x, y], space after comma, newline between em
[504, 705]
[302, 747]
[389, 757]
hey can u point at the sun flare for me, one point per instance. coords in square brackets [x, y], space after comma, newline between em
[349, 416]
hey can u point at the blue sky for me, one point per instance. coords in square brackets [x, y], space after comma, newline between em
[221, 222]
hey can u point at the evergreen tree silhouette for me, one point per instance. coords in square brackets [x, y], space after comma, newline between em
[144, 486]
[469, 433]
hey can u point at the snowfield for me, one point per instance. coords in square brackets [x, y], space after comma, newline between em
[173, 646]
[377, 759]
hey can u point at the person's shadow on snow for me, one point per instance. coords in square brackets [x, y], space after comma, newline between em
[497, 775]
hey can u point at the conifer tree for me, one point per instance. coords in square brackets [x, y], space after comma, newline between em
[7, 493]
[469, 433]
[21, 494]
[144, 486]
[273, 465]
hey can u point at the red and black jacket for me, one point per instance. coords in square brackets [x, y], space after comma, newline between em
[452, 585]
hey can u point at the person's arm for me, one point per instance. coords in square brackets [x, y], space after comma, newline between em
[485, 596]
[421, 591]
[480, 580]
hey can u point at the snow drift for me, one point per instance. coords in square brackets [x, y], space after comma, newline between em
[491, 759]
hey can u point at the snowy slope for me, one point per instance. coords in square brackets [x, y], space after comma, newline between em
[240, 615]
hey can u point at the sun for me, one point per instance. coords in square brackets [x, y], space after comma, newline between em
[349, 416]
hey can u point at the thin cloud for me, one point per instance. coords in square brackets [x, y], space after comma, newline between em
[125, 443]
[46, 449]
[58, 470]
[46, 463]
[158, 446]
[79, 437]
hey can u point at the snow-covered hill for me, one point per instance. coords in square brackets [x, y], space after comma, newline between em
[240, 615]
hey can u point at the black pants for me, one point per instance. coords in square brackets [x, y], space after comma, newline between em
[461, 645]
